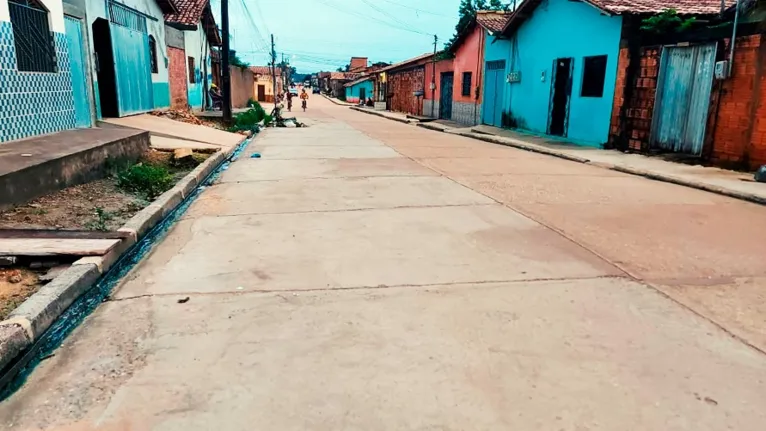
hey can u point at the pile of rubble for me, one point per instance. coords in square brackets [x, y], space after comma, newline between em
[185, 116]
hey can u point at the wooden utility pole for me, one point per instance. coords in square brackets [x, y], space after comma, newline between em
[225, 75]
[433, 78]
[273, 69]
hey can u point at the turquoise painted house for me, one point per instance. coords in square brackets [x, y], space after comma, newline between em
[359, 90]
[552, 70]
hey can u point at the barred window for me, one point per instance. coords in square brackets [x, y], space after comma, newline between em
[153, 54]
[467, 76]
[192, 73]
[35, 51]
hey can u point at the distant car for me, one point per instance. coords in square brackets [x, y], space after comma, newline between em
[294, 90]
[315, 90]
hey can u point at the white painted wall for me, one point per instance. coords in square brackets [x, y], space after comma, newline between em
[56, 15]
[4, 16]
[196, 45]
[55, 9]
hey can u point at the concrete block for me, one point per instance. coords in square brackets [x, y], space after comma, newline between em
[47, 304]
[13, 340]
[103, 263]
[169, 200]
[144, 220]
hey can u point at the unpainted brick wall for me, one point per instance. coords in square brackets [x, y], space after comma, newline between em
[640, 106]
[739, 137]
[177, 78]
[402, 86]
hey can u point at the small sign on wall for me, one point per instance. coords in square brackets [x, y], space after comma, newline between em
[514, 77]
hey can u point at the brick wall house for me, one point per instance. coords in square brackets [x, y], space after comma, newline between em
[735, 122]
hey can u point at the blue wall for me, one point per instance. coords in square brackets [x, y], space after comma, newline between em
[161, 92]
[352, 92]
[33, 103]
[557, 29]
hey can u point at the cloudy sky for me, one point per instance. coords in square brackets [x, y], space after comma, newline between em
[323, 34]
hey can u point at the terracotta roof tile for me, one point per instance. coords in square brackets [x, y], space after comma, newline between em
[492, 20]
[264, 70]
[686, 7]
[189, 12]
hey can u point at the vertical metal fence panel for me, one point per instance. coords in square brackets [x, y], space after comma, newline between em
[35, 50]
[75, 43]
[683, 97]
[132, 70]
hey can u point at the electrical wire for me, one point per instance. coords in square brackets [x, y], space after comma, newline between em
[418, 10]
[369, 18]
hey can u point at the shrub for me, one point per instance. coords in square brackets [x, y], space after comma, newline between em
[147, 180]
[248, 119]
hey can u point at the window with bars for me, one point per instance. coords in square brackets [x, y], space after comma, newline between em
[153, 54]
[467, 77]
[35, 51]
[192, 74]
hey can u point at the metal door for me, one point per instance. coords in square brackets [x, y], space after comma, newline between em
[132, 61]
[77, 65]
[445, 95]
[362, 94]
[494, 83]
[683, 98]
[261, 93]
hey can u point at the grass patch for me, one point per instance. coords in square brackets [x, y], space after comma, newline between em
[146, 180]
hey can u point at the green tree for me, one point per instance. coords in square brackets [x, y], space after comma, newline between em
[467, 13]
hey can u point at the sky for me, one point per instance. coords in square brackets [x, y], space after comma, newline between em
[317, 35]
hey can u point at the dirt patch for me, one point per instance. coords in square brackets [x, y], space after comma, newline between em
[189, 118]
[16, 285]
[98, 205]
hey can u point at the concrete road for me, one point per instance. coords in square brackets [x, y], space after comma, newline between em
[370, 275]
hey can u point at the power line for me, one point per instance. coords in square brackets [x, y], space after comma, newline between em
[370, 18]
[428, 12]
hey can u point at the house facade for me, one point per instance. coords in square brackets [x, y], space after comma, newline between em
[553, 74]
[263, 86]
[359, 90]
[37, 94]
[722, 118]
[128, 39]
[402, 86]
[200, 34]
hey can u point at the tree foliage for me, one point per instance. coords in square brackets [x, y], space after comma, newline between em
[467, 13]
[666, 22]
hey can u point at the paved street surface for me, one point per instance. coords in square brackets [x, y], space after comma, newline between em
[371, 275]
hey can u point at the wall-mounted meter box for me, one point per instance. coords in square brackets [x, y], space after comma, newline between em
[721, 69]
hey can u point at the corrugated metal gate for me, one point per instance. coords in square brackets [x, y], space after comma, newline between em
[132, 60]
[494, 81]
[683, 98]
[402, 87]
[77, 64]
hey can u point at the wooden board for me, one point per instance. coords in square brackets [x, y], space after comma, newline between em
[55, 246]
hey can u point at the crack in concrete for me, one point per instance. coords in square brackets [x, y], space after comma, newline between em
[466, 284]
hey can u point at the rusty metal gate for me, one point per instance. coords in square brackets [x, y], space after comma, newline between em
[402, 87]
[683, 98]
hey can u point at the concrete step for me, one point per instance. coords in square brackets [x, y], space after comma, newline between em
[33, 167]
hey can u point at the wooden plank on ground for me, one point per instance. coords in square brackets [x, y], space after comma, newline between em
[61, 233]
[55, 246]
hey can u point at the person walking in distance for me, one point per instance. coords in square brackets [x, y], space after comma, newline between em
[304, 98]
[289, 97]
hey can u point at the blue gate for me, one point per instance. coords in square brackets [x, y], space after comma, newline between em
[494, 83]
[77, 65]
[683, 98]
[132, 60]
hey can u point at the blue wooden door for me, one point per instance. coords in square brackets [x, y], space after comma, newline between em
[494, 83]
[132, 70]
[683, 98]
[77, 65]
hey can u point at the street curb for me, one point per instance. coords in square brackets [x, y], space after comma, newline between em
[336, 101]
[35, 315]
[435, 127]
[510, 142]
[13, 340]
[380, 114]
[39, 311]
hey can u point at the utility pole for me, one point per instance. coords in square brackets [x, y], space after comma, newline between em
[273, 69]
[225, 75]
[433, 78]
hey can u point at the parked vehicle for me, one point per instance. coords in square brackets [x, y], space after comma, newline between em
[315, 90]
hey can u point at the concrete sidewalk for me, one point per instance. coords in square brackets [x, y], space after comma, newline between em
[728, 183]
[396, 116]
